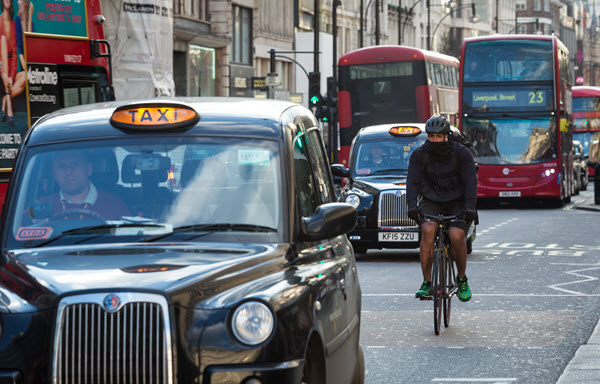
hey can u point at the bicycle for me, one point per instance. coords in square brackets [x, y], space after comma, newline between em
[443, 275]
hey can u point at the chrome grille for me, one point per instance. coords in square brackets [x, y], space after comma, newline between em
[130, 346]
[393, 210]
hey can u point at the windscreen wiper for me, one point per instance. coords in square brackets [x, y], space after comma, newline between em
[386, 171]
[210, 228]
[92, 228]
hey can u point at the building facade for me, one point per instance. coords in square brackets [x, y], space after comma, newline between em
[222, 47]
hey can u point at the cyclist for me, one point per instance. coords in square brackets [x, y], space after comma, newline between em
[442, 174]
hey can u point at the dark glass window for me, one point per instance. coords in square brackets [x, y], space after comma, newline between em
[242, 35]
[512, 141]
[305, 188]
[508, 60]
[320, 167]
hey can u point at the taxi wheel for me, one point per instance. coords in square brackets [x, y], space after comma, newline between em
[584, 183]
[314, 364]
[359, 371]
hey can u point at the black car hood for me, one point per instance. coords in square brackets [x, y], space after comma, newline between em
[187, 273]
[375, 184]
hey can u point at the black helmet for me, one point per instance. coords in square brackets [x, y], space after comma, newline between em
[437, 124]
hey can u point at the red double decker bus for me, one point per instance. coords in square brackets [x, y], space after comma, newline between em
[586, 118]
[53, 57]
[393, 84]
[516, 110]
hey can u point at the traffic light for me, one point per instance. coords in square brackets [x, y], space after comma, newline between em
[314, 92]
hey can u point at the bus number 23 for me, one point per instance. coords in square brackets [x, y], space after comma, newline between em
[536, 97]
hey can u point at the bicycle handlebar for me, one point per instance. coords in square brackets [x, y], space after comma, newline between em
[441, 217]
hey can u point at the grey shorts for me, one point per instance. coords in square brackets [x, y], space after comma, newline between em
[450, 208]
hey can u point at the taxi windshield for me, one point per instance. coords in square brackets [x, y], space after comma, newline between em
[387, 157]
[146, 188]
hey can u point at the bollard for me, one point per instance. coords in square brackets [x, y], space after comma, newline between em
[597, 184]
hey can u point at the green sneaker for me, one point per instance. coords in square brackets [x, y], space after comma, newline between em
[464, 292]
[424, 293]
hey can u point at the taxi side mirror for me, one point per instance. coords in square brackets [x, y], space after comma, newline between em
[329, 220]
[339, 170]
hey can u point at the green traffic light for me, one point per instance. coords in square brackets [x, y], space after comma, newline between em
[314, 100]
[324, 119]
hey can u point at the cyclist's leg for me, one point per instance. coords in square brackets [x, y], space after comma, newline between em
[459, 249]
[457, 231]
[428, 233]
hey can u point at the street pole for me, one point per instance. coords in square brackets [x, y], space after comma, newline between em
[497, 18]
[399, 22]
[332, 132]
[376, 22]
[362, 22]
[428, 25]
[316, 36]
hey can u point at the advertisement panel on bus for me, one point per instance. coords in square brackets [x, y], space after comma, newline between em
[393, 84]
[586, 119]
[516, 109]
[53, 56]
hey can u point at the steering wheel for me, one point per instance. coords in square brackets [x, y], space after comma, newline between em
[77, 212]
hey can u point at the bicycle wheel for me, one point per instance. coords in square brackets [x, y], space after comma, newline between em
[437, 286]
[449, 286]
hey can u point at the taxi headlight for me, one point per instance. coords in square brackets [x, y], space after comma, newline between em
[252, 322]
[353, 200]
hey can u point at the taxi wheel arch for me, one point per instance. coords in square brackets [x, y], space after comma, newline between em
[314, 371]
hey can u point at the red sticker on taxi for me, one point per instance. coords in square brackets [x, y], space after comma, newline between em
[33, 233]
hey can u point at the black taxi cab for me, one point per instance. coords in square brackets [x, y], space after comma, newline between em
[376, 186]
[177, 241]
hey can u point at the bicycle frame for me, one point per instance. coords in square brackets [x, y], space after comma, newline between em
[443, 273]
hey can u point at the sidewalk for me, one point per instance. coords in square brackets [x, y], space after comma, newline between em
[586, 203]
[584, 367]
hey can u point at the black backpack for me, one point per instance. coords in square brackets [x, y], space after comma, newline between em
[457, 136]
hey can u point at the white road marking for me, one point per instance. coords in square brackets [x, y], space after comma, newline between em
[574, 272]
[496, 226]
[477, 380]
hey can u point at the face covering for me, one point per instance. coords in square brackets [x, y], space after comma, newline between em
[439, 149]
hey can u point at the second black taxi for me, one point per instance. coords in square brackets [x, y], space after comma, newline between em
[177, 241]
[376, 186]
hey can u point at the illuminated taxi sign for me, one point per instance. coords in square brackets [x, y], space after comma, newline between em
[405, 131]
[154, 116]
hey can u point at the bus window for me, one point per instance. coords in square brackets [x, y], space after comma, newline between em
[515, 60]
[77, 93]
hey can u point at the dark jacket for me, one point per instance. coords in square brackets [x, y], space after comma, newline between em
[442, 178]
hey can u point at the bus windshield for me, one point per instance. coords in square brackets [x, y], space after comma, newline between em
[586, 104]
[512, 141]
[508, 60]
[584, 138]
[383, 92]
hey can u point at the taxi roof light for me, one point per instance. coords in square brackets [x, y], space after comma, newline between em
[405, 131]
[154, 116]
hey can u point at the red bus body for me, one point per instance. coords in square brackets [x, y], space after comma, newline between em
[516, 110]
[393, 84]
[65, 61]
[586, 117]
